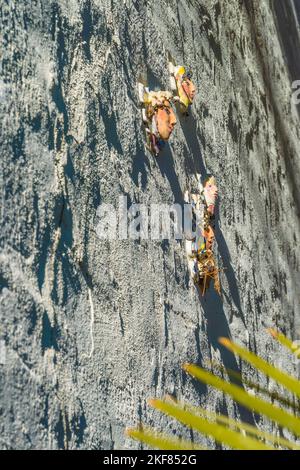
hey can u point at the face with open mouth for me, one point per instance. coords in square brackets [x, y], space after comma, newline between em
[166, 120]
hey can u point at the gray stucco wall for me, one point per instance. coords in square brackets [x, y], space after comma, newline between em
[90, 329]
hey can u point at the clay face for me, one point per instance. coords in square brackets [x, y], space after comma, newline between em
[189, 89]
[210, 193]
[185, 87]
[165, 120]
[160, 117]
[209, 237]
[202, 263]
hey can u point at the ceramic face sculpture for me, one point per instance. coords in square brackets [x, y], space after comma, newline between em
[165, 120]
[202, 263]
[209, 236]
[161, 117]
[210, 192]
[185, 87]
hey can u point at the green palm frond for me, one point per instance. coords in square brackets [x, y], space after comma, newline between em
[160, 440]
[220, 433]
[244, 427]
[280, 416]
[289, 382]
[293, 346]
[227, 431]
[273, 395]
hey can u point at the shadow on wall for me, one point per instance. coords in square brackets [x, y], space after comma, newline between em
[229, 271]
[193, 155]
[166, 165]
[195, 165]
[216, 322]
[216, 327]
[140, 164]
[285, 24]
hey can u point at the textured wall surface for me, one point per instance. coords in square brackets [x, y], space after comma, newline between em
[89, 328]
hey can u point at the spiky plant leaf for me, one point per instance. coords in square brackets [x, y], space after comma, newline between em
[248, 428]
[220, 433]
[276, 414]
[274, 395]
[289, 382]
[161, 441]
[223, 429]
[293, 346]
